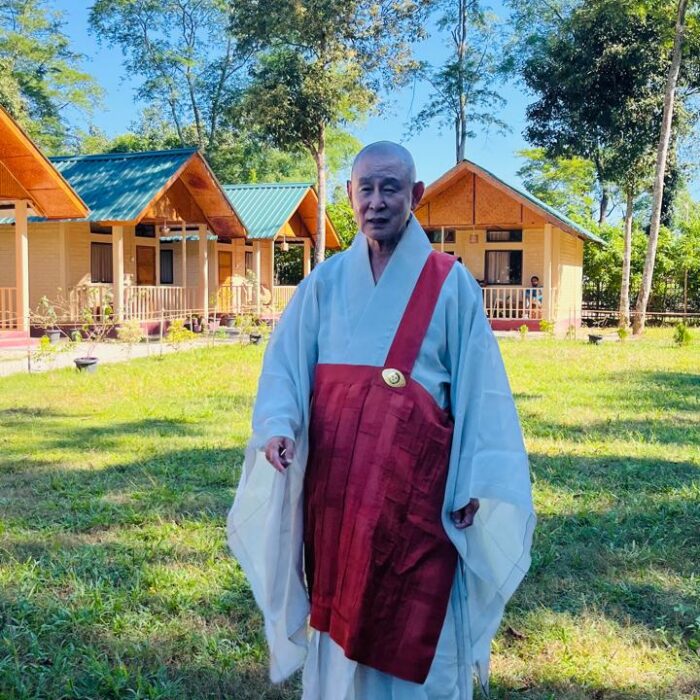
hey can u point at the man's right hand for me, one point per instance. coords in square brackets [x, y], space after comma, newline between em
[279, 452]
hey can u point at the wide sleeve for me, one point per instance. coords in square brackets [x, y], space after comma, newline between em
[285, 382]
[265, 523]
[488, 462]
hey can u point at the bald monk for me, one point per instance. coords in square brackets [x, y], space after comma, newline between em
[384, 515]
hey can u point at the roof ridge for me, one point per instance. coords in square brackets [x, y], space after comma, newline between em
[253, 185]
[125, 154]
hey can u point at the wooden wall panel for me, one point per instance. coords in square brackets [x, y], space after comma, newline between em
[494, 207]
[454, 205]
[7, 255]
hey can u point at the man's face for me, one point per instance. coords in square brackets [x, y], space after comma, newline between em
[382, 195]
[534, 281]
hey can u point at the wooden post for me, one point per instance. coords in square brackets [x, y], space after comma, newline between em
[307, 257]
[62, 257]
[203, 272]
[118, 271]
[547, 273]
[22, 265]
[257, 271]
[272, 271]
[183, 266]
[157, 256]
[442, 239]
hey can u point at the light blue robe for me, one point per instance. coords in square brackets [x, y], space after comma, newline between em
[339, 316]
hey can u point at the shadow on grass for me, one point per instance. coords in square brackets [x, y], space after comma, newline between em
[177, 485]
[581, 691]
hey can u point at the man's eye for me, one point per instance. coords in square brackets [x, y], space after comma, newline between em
[389, 190]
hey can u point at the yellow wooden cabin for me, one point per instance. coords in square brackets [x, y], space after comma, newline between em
[29, 185]
[505, 236]
[156, 237]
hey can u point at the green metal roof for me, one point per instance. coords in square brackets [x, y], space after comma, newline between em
[265, 208]
[542, 205]
[118, 186]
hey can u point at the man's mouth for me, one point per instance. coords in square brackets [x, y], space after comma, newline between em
[377, 222]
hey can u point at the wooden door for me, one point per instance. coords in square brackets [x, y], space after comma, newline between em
[145, 265]
[225, 267]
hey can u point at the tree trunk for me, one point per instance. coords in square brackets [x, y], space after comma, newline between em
[624, 320]
[604, 203]
[661, 157]
[320, 157]
[460, 37]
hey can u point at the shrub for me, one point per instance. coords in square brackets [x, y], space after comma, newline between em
[547, 327]
[177, 333]
[681, 334]
[623, 333]
[523, 331]
[130, 332]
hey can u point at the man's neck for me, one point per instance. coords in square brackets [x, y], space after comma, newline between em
[381, 251]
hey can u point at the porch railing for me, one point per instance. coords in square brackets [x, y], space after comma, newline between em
[146, 302]
[513, 302]
[8, 308]
[282, 295]
[235, 298]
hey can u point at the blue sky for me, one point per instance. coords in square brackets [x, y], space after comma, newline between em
[433, 148]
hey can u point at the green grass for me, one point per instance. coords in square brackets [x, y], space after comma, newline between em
[115, 581]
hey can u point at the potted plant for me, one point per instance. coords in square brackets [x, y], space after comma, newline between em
[46, 317]
[95, 327]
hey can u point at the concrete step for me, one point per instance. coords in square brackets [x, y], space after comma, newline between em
[16, 340]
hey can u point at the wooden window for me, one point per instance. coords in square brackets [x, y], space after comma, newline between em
[101, 262]
[166, 266]
[435, 235]
[504, 267]
[99, 228]
[145, 230]
[512, 236]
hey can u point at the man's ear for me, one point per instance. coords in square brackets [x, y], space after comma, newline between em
[417, 194]
[348, 189]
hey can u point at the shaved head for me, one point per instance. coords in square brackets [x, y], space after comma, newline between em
[388, 150]
[383, 190]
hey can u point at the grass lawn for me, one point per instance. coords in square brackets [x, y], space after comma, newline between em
[115, 581]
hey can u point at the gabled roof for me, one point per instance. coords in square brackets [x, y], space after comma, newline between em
[123, 188]
[522, 195]
[266, 207]
[119, 186]
[26, 173]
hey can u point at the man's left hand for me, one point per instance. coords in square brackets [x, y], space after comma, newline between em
[464, 517]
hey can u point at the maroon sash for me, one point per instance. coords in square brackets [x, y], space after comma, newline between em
[379, 564]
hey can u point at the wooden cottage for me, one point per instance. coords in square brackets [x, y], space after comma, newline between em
[29, 186]
[276, 216]
[506, 237]
[113, 255]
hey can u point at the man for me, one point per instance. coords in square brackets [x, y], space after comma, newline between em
[533, 298]
[400, 476]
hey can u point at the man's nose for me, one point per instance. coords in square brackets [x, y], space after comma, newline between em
[376, 200]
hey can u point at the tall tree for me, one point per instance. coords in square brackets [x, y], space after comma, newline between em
[661, 160]
[189, 63]
[596, 72]
[462, 88]
[42, 83]
[568, 184]
[321, 64]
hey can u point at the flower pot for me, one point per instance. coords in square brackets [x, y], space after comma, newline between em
[255, 338]
[54, 335]
[230, 323]
[86, 364]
